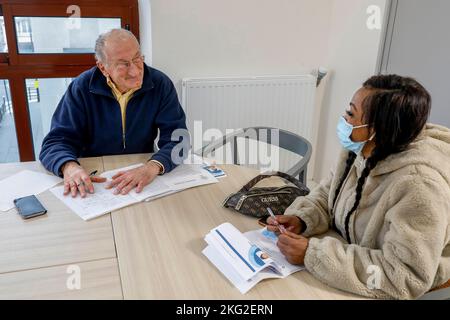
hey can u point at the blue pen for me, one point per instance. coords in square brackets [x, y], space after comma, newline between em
[280, 226]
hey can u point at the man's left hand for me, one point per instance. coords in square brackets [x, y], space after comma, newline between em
[293, 247]
[138, 178]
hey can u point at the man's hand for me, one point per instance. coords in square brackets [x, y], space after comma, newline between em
[77, 180]
[290, 223]
[139, 177]
[293, 247]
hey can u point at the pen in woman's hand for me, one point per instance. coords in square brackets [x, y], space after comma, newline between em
[280, 226]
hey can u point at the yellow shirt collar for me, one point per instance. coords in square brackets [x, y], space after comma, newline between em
[116, 91]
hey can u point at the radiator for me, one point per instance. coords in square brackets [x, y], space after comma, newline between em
[285, 102]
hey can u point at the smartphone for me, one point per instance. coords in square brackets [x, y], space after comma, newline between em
[29, 207]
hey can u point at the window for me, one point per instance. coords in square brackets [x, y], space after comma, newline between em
[59, 35]
[44, 44]
[3, 45]
[43, 96]
[9, 151]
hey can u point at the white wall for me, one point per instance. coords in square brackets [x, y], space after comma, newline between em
[145, 29]
[203, 38]
[353, 53]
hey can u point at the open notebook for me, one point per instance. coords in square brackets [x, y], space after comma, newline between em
[103, 200]
[246, 259]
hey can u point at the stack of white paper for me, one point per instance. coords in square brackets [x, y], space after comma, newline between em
[246, 259]
[103, 200]
[154, 189]
[24, 183]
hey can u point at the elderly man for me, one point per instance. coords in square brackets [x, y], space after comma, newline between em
[114, 108]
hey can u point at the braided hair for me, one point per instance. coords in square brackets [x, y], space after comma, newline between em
[350, 160]
[397, 110]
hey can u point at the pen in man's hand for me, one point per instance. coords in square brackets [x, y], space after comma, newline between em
[280, 226]
[90, 175]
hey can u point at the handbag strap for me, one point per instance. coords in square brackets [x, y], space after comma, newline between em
[260, 177]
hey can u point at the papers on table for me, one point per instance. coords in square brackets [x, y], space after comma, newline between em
[23, 184]
[157, 187]
[246, 259]
[187, 176]
[211, 167]
[182, 177]
[96, 204]
[103, 200]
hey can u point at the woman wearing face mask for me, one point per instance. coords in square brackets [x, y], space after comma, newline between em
[389, 199]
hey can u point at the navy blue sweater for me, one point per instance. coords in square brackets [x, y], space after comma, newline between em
[88, 121]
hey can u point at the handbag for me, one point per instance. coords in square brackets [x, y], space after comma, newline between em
[254, 201]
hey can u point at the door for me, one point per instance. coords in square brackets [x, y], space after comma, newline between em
[418, 45]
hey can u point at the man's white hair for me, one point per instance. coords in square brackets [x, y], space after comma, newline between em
[120, 34]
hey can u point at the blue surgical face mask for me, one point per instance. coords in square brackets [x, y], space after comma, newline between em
[344, 133]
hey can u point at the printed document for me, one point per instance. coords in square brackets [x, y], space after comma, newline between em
[246, 259]
[104, 200]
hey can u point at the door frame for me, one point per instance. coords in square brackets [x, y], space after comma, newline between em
[387, 33]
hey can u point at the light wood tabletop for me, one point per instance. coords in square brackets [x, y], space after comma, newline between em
[159, 245]
[31, 249]
[99, 279]
[150, 250]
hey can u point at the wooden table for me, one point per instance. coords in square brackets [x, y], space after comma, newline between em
[151, 250]
[35, 254]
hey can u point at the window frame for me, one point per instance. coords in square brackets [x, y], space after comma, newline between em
[17, 67]
[3, 55]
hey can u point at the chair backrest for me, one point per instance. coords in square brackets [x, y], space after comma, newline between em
[286, 140]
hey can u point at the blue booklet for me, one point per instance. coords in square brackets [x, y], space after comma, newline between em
[214, 170]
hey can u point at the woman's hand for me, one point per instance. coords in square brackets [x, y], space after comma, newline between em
[293, 247]
[290, 223]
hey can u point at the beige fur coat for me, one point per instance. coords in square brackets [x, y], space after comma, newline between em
[400, 233]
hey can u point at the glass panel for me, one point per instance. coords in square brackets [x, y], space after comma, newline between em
[60, 35]
[43, 96]
[9, 151]
[3, 46]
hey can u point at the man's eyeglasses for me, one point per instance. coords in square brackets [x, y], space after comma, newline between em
[125, 65]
